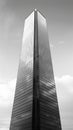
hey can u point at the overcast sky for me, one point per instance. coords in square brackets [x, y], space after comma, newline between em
[59, 15]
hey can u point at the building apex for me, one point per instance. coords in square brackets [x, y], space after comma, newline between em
[35, 9]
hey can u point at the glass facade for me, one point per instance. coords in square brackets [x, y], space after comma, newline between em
[22, 107]
[35, 103]
[49, 111]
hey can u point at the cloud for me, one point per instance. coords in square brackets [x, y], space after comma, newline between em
[6, 92]
[6, 100]
[4, 128]
[64, 86]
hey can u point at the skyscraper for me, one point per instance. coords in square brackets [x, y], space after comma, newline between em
[35, 103]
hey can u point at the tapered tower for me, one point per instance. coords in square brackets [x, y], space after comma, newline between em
[35, 103]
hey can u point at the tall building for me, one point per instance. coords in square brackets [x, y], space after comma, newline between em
[35, 103]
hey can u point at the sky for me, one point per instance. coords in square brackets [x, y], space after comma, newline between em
[59, 16]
